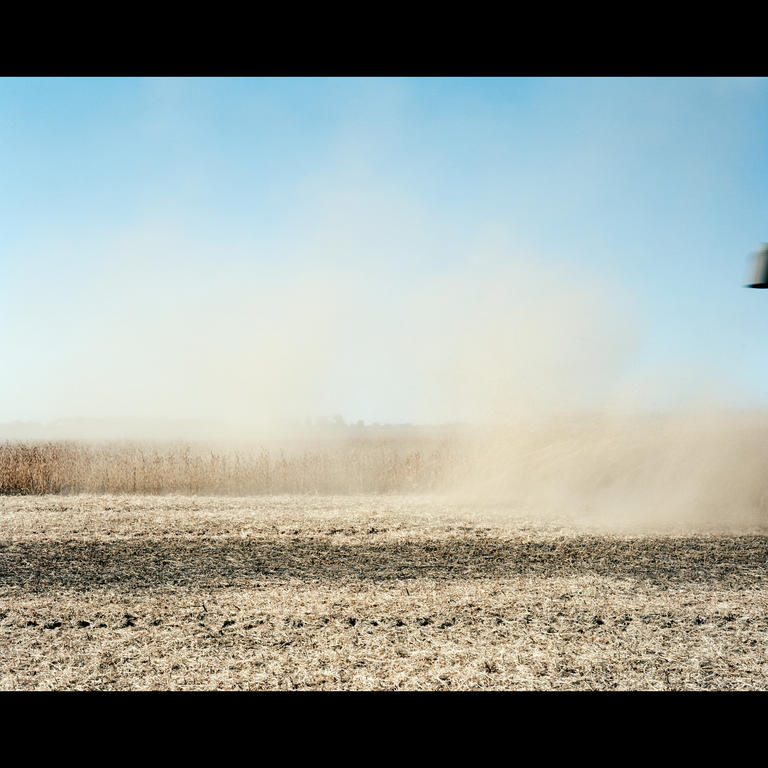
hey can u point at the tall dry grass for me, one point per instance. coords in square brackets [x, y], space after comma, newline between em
[355, 467]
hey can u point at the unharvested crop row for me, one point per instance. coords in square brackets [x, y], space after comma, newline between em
[364, 467]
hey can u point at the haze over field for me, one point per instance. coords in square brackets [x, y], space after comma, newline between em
[392, 250]
[553, 267]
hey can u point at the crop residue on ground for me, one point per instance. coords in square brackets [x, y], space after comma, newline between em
[398, 592]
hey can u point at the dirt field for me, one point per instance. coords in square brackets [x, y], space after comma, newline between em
[377, 592]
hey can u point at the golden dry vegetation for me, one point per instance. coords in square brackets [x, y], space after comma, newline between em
[349, 466]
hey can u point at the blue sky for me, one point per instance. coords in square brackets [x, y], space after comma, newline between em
[144, 221]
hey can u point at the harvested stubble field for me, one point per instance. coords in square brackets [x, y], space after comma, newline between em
[367, 592]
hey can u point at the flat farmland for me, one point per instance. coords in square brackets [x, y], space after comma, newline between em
[354, 592]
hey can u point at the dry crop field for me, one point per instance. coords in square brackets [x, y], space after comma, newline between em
[124, 591]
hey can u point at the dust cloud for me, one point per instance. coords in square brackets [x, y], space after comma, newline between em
[179, 335]
[534, 363]
[694, 469]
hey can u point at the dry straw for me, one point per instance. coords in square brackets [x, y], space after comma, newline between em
[354, 467]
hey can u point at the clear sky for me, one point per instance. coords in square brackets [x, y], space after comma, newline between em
[388, 249]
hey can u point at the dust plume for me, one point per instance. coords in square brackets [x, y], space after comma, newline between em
[537, 366]
[167, 330]
[699, 468]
